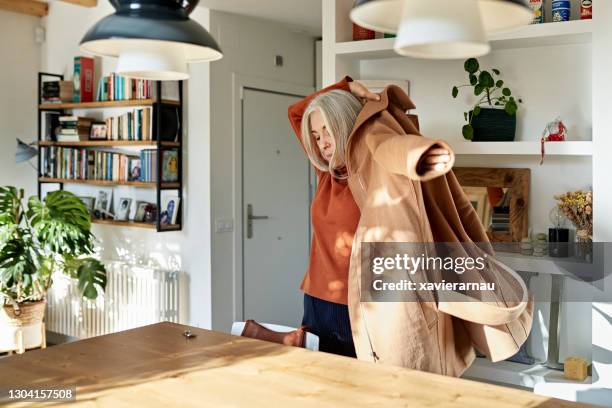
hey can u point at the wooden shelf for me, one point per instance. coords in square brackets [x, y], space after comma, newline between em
[110, 143]
[135, 224]
[96, 105]
[567, 148]
[164, 186]
[535, 35]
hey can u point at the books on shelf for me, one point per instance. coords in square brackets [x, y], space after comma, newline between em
[134, 125]
[49, 124]
[56, 91]
[148, 162]
[74, 128]
[117, 88]
[83, 79]
[87, 164]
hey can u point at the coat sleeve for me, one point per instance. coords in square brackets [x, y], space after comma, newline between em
[296, 111]
[401, 153]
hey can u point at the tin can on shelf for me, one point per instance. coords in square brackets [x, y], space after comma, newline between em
[561, 10]
[537, 7]
[586, 9]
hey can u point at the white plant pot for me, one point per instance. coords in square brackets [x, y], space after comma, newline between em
[24, 330]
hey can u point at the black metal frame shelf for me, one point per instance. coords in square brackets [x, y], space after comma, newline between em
[158, 144]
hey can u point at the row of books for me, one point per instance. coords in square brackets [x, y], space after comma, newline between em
[56, 91]
[116, 88]
[73, 128]
[134, 125]
[87, 164]
[500, 220]
[148, 160]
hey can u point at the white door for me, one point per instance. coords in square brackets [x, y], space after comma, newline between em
[276, 203]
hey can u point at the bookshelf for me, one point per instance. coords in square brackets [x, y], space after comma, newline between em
[157, 104]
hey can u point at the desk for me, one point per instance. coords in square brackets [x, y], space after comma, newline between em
[156, 366]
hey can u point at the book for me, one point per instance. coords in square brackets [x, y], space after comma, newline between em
[83, 79]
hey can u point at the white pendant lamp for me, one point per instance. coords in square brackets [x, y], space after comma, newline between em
[497, 15]
[441, 29]
[152, 39]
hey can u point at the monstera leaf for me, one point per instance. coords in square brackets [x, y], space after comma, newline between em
[92, 275]
[61, 223]
[10, 205]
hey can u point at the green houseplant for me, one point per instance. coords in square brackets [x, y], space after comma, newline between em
[36, 240]
[493, 116]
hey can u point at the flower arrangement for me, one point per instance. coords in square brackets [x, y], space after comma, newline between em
[577, 206]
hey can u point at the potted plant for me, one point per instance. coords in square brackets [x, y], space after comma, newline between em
[37, 240]
[493, 117]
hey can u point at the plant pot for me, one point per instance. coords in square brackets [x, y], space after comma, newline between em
[494, 125]
[23, 329]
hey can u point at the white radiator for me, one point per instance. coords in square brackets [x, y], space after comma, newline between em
[135, 296]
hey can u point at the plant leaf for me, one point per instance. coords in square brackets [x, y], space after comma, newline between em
[496, 71]
[465, 116]
[10, 211]
[499, 83]
[471, 65]
[506, 92]
[91, 274]
[473, 79]
[511, 108]
[468, 132]
[476, 110]
[455, 91]
[486, 80]
[478, 89]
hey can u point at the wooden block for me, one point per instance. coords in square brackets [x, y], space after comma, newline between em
[575, 368]
[31, 7]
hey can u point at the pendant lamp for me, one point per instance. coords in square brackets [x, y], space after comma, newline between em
[153, 39]
[441, 29]
[497, 15]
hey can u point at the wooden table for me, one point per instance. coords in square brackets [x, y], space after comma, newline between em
[156, 366]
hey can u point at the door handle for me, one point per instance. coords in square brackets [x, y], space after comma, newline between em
[250, 218]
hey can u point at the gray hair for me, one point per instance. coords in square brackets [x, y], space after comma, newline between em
[339, 110]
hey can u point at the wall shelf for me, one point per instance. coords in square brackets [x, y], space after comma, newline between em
[104, 104]
[124, 223]
[567, 148]
[536, 35]
[164, 186]
[109, 143]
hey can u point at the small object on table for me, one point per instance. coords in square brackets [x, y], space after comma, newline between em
[189, 334]
[540, 245]
[526, 247]
[537, 7]
[575, 368]
[558, 236]
[554, 131]
[586, 9]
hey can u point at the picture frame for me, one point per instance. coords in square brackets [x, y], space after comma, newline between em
[123, 209]
[141, 208]
[170, 165]
[169, 210]
[102, 209]
[98, 131]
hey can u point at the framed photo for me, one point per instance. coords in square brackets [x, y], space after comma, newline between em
[123, 212]
[141, 207]
[102, 209]
[135, 170]
[479, 199]
[98, 131]
[169, 210]
[170, 165]
[150, 212]
[89, 203]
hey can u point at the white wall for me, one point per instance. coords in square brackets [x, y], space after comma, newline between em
[18, 110]
[249, 46]
[189, 249]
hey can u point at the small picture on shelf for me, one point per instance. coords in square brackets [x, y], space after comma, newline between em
[98, 131]
[170, 165]
[169, 210]
[89, 203]
[135, 170]
[102, 209]
[123, 211]
[141, 208]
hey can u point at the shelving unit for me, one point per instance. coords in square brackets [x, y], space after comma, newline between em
[567, 148]
[159, 145]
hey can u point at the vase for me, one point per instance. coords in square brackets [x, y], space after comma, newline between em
[584, 245]
[23, 328]
[494, 125]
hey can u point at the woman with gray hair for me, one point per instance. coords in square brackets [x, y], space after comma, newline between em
[323, 123]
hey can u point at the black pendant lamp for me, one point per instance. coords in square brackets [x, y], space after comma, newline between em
[153, 39]
[385, 15]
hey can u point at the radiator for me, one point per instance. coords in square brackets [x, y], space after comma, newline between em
[135, 296]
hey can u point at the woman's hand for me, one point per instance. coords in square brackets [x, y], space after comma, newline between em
[435, 159]
[362, 92]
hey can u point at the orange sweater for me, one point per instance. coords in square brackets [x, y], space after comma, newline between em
[335, 216]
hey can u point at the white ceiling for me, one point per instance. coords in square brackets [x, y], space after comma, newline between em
[301, 15]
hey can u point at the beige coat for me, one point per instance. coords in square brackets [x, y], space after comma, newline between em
[399, 205]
